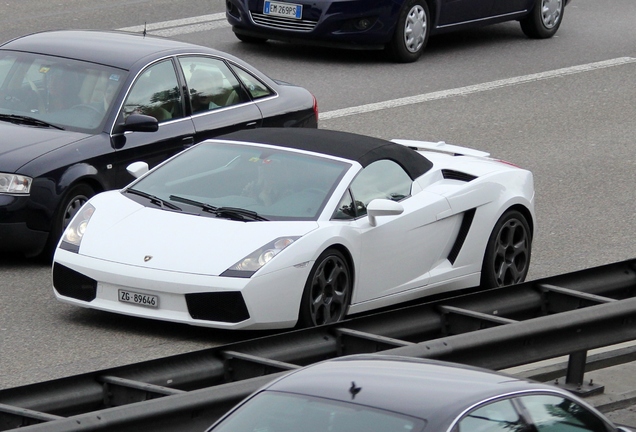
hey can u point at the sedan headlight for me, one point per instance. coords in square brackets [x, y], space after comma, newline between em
[257, 259]
[15, 184]
[74, 233]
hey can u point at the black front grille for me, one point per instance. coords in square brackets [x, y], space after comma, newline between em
[70, 283]
[218, 306]
[282, 23]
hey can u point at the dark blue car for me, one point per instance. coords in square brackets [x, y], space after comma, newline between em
[401, 27]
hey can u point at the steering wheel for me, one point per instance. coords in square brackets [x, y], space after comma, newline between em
[91, 107]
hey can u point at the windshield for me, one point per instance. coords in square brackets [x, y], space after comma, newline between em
[275, 184]
[66, 93]
[281, 412]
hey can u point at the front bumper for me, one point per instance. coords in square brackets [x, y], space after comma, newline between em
[328, 23]
[18, 237]
[270, 301]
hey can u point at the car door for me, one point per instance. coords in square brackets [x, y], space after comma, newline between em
[218, 102]
[502, 7]
[398, 252]
[155, 92]
[459, 11]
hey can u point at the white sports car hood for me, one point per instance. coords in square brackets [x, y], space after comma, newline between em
[126, 232]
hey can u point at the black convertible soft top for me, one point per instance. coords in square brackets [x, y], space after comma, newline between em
[360, 148]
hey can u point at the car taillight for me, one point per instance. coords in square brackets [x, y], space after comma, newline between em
[508, 163]
[315, 108]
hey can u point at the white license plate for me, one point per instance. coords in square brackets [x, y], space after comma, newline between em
[288, 10]
[139, 299]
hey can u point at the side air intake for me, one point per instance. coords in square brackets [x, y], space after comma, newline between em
[457, 175]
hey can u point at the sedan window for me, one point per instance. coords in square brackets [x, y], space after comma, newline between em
[211, 84]
[156, 93]
[552, 413]
[499, 416]
[254, 86]
[381, 179]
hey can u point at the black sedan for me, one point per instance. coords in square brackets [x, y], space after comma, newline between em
[77, 107]
[374, 393]
[402, 27]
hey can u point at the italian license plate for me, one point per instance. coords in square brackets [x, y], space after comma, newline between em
[288, 10]
[138, 299]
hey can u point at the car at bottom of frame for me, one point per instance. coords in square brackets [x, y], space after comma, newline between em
[282, 227]
[77, 107]
[375, 393]
[400, 27]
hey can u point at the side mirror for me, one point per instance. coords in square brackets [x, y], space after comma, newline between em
[383, 207]
[138, 123]
[137, 169]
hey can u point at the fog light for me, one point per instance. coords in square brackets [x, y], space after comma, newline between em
[363, 24]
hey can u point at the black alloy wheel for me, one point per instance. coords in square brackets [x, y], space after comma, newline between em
[508, 251]
[327, 292]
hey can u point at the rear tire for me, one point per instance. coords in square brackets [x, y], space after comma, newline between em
[73, 200]
[327, 292]
[508, 250]
[544, 19]
[411, 32]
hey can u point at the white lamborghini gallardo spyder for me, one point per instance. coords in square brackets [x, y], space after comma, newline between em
[273, 228]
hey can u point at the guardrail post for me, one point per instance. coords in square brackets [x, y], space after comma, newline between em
[574, 376]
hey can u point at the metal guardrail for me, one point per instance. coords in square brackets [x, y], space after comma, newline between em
[498, 328]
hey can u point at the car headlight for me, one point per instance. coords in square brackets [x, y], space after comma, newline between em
[15, 184]
[257, 259]
[74, 233]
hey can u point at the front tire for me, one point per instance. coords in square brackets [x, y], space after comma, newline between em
[411, 32]
[507, 256]
[73, 200]
[544, 19]
[327, 292]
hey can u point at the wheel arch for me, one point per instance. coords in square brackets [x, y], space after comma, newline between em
[80, 173]
[526, 213]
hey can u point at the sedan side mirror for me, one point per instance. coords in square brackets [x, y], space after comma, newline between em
[137, 169]
[383, 207]
[138, 123]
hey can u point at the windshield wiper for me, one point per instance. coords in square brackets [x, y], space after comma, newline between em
[226, 212]
[239, 213]
[153, 199]
[13, 118]
[204, 206]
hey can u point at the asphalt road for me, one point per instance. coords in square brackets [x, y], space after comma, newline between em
[564, 108]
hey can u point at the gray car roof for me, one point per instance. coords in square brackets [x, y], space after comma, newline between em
[435, 391]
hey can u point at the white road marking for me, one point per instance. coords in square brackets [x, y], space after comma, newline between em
[477, 88]
[182, 26]
[218, 20]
